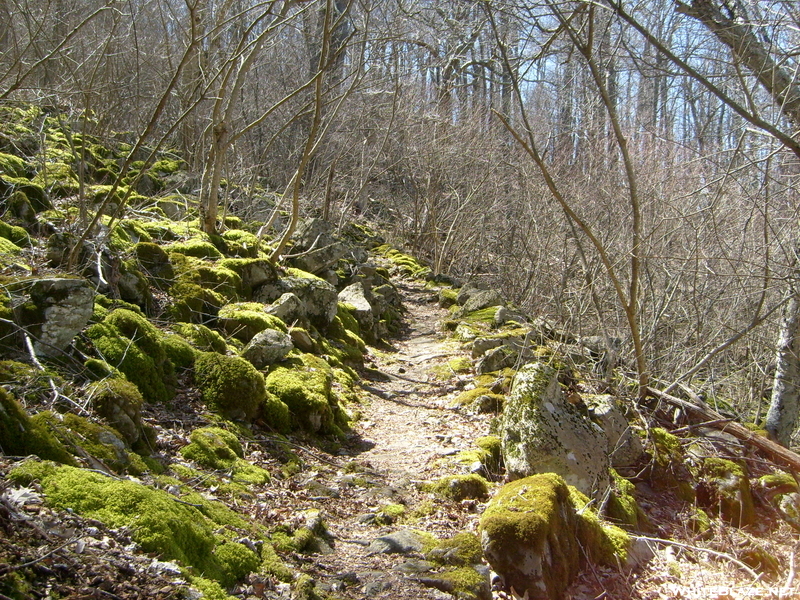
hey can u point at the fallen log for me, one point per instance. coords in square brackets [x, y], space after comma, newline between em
[774, 451]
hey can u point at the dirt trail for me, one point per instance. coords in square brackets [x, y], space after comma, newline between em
[409, 432]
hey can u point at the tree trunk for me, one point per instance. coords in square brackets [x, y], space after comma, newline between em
[785, 402]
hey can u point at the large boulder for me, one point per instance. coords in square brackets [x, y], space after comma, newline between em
[482, 299]
[52, 310]
[624, 446]
[356, 296]
[528, 535]
[319, 298]
[267, 347]
[319, 259]
[542, 432]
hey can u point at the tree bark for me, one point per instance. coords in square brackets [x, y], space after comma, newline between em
[784, 406]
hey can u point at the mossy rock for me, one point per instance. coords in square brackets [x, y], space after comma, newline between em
[533, 530]
[13, 165]
[196, 248]
[120, 403]
[243, 320]
[230, 385]
[84, 437]
[33, 192]
[22, 436]
[241, 244]
[724, 489]
[622, 506]
[481, 399]
[132, 344]
[201, 337]
[160, 525]
[16, 235]
[213, 448]
[461, 550]
[155, 263]
[194, 304]
[304, 385]
[179, 352]
[668, 469]
[459, 487]
[487, 452]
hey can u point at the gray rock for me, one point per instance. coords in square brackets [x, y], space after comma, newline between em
[468, 290]
[318, 298]
[508, 315]
[414, 567]
[316, 233]
[358, 298]
[624, 446]
[482, 299]
[400, 542]
[496, 359]
[254, 273]
[53, 311]
[288, 308]
[302, 340]
[320, 258]
[482, 345]
[267, 347]
[541, 432]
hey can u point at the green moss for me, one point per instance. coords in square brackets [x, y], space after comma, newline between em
[605, 544]
[305, 387]
[159, 524]
[179, 352]
[213, 447]
[486, 395]
[34, 192]
[271, 564]
[210, 590]
[389, 513]
[130, 343]
[195, 247]
[699, 521]
[725, 488]
[488, 453]
[484, 315]
[17, 235]
[666, 447]
[622, 505]
[405, 264]
[9, 248]
[459, 487]
[243, 320]
[230, 385]
[201, 337]
[193, 303]
[465, 582]
[447, 297]
[13, 165]
[461, 550]
[461, 364]
[242, 244]
[119, 402]
[22, 436]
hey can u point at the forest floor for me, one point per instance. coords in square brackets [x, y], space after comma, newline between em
[408, 432]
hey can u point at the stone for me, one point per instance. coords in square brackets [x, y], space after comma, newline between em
[528, 536]
[482, 299]
[542, 432]
[356, 296]
[508, 315]
[318, 298]
[468, 290]
[399, 542]
[302, 340]
[267, 347]
[288, 309]
[724, 489]
[320, 258]
[52, 310]
[624, 446]
[316, 233]
[481, 346]
[496, 359]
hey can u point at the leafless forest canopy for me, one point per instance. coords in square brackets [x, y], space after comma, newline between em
[614, 167]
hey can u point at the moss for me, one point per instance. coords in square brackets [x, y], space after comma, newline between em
[484, 315]
[242, 244]
[459, 487]
[16, 235]
[119, 402]
[271, 564]
[178, 351]
[699, 521]
[193, 303]
[447, 297]
[9, 248]
[465, 582]
[461, 550]
[155, 262]
[230, 385]
[622, 505]
[666, 447]
[404, 264]
[244, 320]
[130, 343]
[22, 436]
[13, 165]
[213, 447]
[201, 337]
[34, 192]
[778, 484]
[389, 513]
[487, 452]
[725, 488]
[340, 339]
[210, 590]
[305, 387]
[487, 399]
[605, 544]
[462, 364]
[159, 524]
[196, 248]
[221, 280]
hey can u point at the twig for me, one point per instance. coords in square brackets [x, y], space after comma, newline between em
[790, 576]
[178, 500]
[10, 569]
[722, 555]
[299, 447]
[688, 428]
